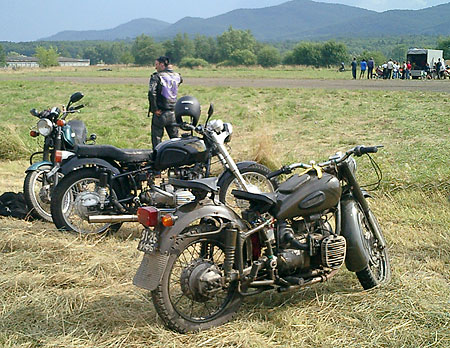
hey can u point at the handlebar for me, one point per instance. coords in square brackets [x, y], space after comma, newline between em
[358, 151]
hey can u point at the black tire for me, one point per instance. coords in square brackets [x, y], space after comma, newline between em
[378, 270]
[66, 209]
[254, 174]
[36, 195]
[180, 306]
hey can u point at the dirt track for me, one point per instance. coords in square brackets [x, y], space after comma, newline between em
[392, 85]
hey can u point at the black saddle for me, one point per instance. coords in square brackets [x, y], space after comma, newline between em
[110, 152]
[262, 202]
[206, 184]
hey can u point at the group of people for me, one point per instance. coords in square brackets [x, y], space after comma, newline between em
[395, 70]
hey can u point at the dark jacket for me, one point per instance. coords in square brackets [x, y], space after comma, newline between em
[163, 90]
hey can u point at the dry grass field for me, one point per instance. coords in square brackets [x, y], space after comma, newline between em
[63, 290]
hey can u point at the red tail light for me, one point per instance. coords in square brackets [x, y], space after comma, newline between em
[58, 156]
[148, 216]
[34, 134]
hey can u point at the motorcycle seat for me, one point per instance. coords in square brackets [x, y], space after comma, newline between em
[205, 184]
[262, 202]
[110, 152]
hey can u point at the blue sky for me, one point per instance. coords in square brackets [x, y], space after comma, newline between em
[29, 20]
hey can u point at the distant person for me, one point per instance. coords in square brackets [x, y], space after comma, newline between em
[408, 69]
[162, 96]
[363, 68]
[370, 66]
[404, 68]
[385, 70]
[354, 65]
[342, 67]
[428, 71]
[395, 70]
[390, 67]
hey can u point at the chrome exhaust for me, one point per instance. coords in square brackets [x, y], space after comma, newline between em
[112, 218]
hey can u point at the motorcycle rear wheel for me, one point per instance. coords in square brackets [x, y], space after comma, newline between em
[185, 302]
[67, 208]
[378, 270]
[36, 195]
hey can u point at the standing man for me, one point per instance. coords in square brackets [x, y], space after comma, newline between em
[370, 66]
[390, 67]
[354, 65]
[162, 96]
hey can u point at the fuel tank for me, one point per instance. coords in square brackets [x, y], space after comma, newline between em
[179, 152]
[306, 195]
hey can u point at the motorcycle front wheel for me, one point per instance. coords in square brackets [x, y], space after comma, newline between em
[37, 192]
[255, 176]
[75, 198]
[191, 295]
[378, 270]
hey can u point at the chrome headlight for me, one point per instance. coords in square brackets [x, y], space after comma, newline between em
[44, 126]
[229, 129]
[216, 125]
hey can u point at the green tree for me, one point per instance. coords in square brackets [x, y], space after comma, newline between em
[47, 57]
[398, 52]
[2, 57]
[268, 56]
[307, 53]
[205, 48]
[333, 53]
[233, 40]
[444, 44]
[181, 46]
[378, 57]
[145, 50]
[242, 57]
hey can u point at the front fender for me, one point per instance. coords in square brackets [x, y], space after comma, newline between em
[75, 163]
[356, 258]
[152, 267]
[226, 173]
[37, 165]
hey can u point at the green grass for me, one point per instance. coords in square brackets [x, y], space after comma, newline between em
[288, 72]
[61, 290]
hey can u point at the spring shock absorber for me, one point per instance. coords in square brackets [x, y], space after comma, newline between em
[231, 232]
[102, 188]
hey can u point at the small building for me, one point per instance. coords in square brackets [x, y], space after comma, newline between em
[32, 62]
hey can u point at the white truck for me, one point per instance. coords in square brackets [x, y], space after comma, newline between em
[419, 57]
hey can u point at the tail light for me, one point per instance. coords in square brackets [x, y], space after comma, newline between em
[34, 134]
[58, 156]
[148, 216]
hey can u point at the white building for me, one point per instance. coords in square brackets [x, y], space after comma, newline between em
[32, 62]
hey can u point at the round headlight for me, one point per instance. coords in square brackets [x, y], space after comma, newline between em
[216, 125]
[44, 126]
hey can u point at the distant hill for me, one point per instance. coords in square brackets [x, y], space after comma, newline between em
[292, 20]
[128, 30]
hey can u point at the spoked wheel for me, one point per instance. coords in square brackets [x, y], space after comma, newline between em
[193, 294]
[255, 176]
[77, 197]
[37, 191]
[378, 271]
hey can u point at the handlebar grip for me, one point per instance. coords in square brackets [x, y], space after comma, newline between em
[282, 170]
[78, 107]
[361, 150]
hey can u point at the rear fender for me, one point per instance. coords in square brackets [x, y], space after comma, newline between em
[76, 163]
[152, 267]
[356, 258]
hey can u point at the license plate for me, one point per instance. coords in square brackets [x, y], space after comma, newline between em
[148, 241]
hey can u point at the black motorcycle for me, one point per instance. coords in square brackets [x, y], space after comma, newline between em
[104, 185]
[204, 258]
[60, 138]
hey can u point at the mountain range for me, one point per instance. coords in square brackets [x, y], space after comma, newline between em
[292, 20]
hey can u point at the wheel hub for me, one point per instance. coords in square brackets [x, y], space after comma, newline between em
[85, 202]
[44, 194]
[201, 280]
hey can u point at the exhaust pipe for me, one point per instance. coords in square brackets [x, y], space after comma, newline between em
[112, 218]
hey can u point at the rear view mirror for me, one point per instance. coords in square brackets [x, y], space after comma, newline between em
[34, 112]
[76, 97]
[210, 110]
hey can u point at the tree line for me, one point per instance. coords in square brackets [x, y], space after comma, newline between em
[231, 48]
